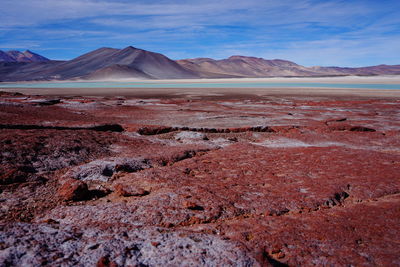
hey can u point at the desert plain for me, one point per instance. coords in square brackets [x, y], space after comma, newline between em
[200, 176]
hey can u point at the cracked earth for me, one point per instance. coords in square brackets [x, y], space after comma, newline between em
[209, 181]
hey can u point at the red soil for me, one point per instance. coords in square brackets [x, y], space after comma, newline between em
[291, 180]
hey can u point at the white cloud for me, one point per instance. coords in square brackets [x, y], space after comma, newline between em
[306, 31]
[20, 44]
[330, 52]
[33, 12]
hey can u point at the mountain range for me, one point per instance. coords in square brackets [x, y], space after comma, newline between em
[131, 62]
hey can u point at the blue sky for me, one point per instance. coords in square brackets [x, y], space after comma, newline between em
[308, 32]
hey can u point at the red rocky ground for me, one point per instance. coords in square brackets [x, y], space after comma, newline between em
[223, 180]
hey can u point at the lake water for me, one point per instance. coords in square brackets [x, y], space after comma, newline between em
[200, 85]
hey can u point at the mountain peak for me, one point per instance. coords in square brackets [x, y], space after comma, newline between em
[5, 57]
[130, 48]
[26, 56]
[29, 53]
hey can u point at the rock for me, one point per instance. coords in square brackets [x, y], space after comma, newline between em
[74, 190]
[105, 262]
[233, 139]
[46, 102]
[155, 244]
[108, 128]
[192, 206]
[153, 130]
[129, 190]
[103, 170]
[347, 127]
[186, 135]
[361, 129]
[11, 176]
[38, 244]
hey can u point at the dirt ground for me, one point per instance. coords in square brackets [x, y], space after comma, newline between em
[208, 179]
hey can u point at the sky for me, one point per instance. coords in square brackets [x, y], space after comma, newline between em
[308, 32]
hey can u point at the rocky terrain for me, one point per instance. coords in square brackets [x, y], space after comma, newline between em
[110, 63]
[220, 180]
